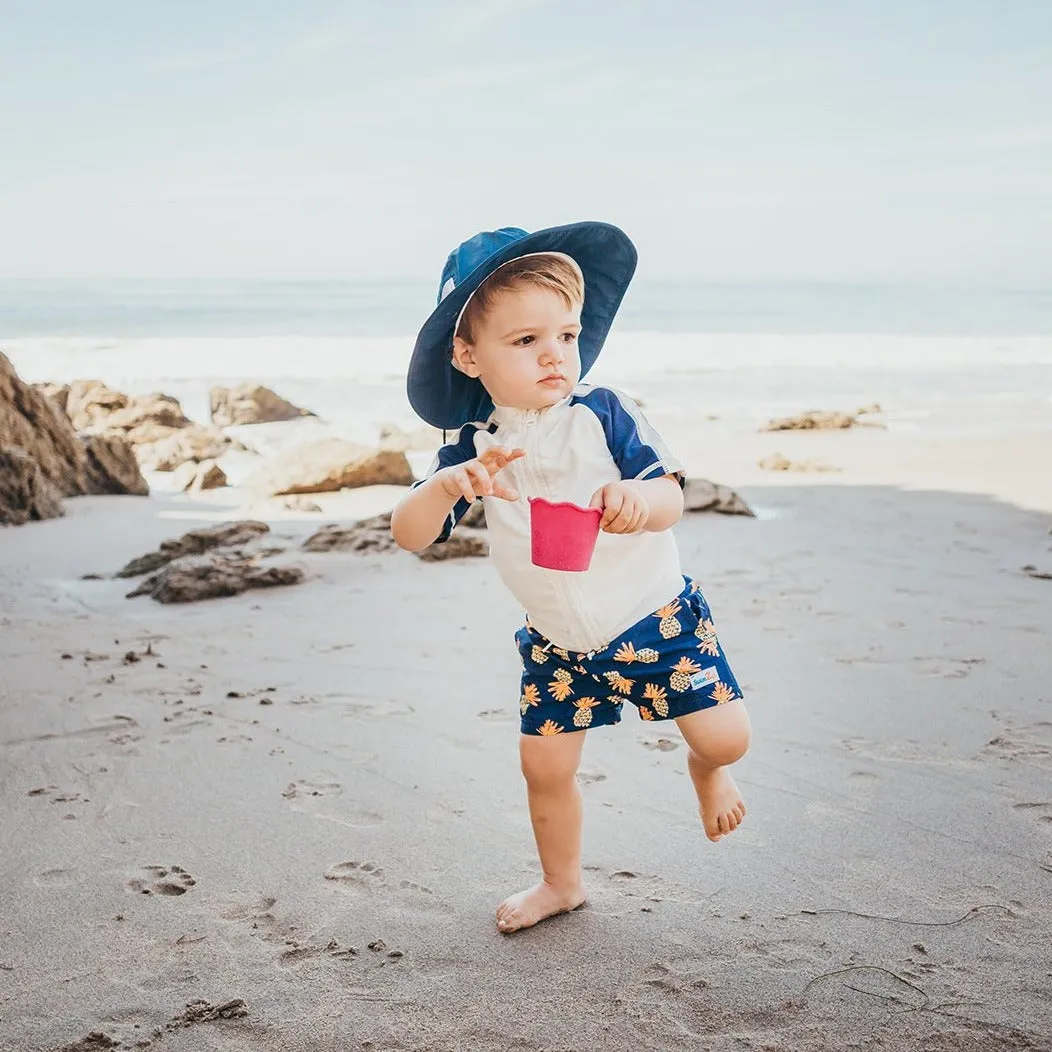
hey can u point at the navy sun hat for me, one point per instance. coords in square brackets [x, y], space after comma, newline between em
[439, 392]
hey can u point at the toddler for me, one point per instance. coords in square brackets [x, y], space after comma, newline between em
[520, 319]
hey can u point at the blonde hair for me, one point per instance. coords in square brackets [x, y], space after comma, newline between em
[541, 271]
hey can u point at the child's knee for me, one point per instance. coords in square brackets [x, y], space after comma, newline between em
[546, 765]
[719, 735]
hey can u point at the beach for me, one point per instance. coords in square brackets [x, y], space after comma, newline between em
[284, 820]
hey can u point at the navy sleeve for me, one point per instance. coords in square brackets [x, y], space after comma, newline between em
[638, 450]
[456, 452]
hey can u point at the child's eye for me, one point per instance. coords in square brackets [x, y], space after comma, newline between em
[569, 337]
[524, 341]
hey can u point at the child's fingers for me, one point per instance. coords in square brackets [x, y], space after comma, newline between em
[504, 492]
[611, 511]
[481, 479]
[496, 458]
[463, 483]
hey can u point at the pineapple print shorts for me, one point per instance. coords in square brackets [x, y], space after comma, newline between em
[668, 664]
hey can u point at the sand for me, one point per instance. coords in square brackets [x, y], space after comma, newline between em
[284, 820]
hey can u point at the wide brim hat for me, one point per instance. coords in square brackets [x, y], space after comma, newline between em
[444, 396]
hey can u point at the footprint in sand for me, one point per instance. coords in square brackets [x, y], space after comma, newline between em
[366, 877]
[498, 715]
[1040, 809]
[589, 776]
[659, 744]
[304, 788]
[162, 880]
[356, 876]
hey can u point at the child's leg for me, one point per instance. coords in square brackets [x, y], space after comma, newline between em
[716, 737]
[549, 764]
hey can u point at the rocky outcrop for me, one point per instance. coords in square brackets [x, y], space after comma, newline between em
[25, 492]
[213, 577]
[210, 563]
[368, 535]
[373, 536]
[250, 404]
[66, 465]
[702, 495]
[330, 464]
[776, 462]
[155, 425]
[228, 535]
[193, 477]
[823, 421]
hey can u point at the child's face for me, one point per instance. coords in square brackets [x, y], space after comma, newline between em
[525, 349]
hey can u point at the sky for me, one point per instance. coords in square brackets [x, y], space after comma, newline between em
[870, 140]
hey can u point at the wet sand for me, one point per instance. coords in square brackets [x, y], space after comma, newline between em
[284, 820]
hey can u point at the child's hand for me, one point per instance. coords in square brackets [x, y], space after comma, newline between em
[624, 509]
[475, 478]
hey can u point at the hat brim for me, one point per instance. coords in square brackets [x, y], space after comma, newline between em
[444, 396]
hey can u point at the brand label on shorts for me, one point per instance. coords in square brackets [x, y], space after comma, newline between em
[705, 678]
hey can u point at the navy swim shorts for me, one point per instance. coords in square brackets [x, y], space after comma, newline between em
[668, 664]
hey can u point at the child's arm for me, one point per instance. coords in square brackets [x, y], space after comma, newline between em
[632, 505]
[650, 493]
[418, 519]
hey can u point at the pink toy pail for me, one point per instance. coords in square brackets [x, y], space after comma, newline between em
[563, 534]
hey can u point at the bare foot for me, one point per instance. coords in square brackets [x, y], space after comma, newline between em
[535, 904]
[720, 803]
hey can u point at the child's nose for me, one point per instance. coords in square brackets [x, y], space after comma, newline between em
[552, 352]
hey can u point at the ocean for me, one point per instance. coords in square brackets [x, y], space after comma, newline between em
[742, 352]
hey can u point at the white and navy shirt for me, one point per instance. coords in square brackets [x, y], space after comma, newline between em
[593, 437]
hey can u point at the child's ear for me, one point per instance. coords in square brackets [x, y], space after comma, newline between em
[464, 357]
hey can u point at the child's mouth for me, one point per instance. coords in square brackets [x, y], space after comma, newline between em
[552, 381]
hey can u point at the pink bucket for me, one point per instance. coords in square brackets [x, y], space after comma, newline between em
[563, 534]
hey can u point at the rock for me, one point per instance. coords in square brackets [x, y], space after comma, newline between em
[702, 495]
[328, 465]
[25, 492]
[776, 462]
[475, 517]
[228, 535]
[823, 421]
[462, 544]
[143, 413]
[423, 438]
[180, 446]
[112, 465]
[161, 434]
[369, 535]
[250, 404]
[194, 477]
[873, 407]
[188, 580]
[31, 421]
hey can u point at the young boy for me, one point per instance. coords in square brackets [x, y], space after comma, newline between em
[521, 317]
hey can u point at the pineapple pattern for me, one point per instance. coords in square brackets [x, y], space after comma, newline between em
[721, 694]
[618, 682]
[663, 653]
[530, 696]
[560, 687]
[657, 697]
[627, 653]
[669, 626]
[583, 716]
[706, 632]
[682, 671]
